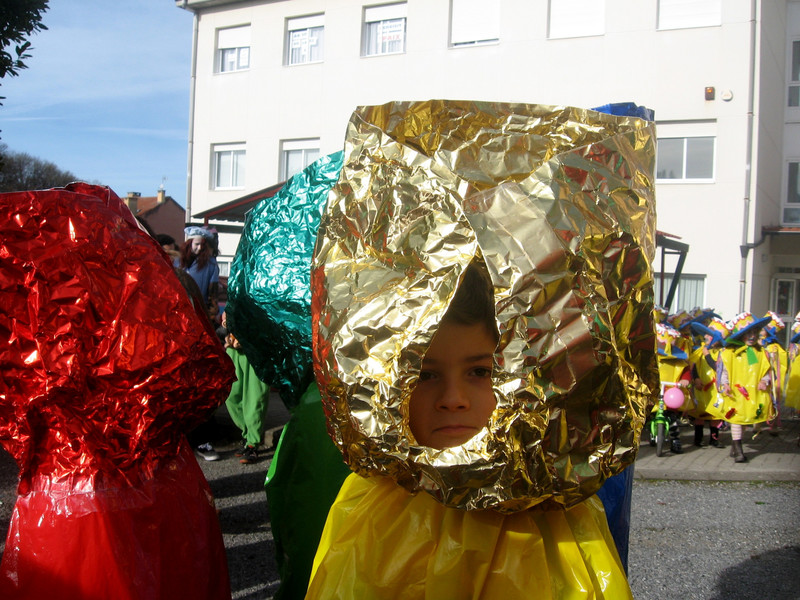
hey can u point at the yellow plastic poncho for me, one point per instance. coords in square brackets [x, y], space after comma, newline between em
[671, 370]
[792, 389]
[706, 393]
[779, 364]
[745, 404]
[382, 542]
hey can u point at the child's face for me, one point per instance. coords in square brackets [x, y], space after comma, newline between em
[453, 399]
[750, 338]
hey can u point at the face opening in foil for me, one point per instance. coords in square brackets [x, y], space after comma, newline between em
[453, 399]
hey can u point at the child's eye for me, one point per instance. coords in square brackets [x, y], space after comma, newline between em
[425, 375]
[482, 371]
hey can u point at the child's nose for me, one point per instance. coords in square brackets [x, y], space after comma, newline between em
[453, 397]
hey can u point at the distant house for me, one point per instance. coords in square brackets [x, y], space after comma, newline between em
[161, 213]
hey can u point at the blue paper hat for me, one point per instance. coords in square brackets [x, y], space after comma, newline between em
[770, 336]
[716, 336]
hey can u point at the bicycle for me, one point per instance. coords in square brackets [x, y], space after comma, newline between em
[660, 423]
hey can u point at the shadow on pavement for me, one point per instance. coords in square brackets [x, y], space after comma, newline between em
[249, 566]
[238, 485]
[769, 575]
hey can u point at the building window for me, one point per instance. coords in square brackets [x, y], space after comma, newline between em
[683, 14]
[783, 297]
[305, 39]
[794, 75]
[296, 155]
[474, 22]
[384, 29]
[690, 293]
[791, 208]
[576, 18]
[233, 49]
[229, 163]
[685, 159]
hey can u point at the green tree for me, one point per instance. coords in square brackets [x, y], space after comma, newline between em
[18, 20]
[20, 171]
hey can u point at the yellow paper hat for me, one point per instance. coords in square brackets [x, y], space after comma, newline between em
[679, 320]
[775, 321]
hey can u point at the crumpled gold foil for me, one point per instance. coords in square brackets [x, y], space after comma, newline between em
[558, 203]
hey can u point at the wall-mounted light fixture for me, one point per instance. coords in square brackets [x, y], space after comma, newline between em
[710, 92]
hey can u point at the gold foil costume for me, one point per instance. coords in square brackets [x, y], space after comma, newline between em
[559, 205]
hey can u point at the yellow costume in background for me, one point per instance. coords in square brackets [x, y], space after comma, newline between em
[706, 393]
[671, 372]
[746, 404]
[382, 542]
[673, 364]
[792, 382]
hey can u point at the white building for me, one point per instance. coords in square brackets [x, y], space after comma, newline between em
[275, 82]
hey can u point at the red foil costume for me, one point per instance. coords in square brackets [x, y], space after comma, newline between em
[104, 364]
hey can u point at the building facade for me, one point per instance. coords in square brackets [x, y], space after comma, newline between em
[275, 82]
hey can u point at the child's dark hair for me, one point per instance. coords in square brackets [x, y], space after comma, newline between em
[473, 301]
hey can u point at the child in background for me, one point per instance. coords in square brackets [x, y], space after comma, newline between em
[247, 402]
[674, 371]
[704, 371]
[792, 381]
[776, 355]
[744, 380]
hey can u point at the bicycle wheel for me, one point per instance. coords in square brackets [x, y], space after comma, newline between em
[661, 436]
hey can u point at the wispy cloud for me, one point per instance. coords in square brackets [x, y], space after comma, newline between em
[106, 93]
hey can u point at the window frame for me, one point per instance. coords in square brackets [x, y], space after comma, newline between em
[660, 8]
[465, 5]
[683, 179]
[305, 145]
[238, 155]
[681, 300]
[306, 23]
[793, 110]
[568, 11]
[365, 26]
[240, 52]
[786, 202]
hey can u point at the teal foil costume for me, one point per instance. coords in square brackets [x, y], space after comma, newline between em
[269, 312]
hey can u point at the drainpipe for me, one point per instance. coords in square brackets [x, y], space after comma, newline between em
[746, 246]
[192, 88]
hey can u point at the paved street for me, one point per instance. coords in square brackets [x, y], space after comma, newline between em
[770, 457]
[701, 526]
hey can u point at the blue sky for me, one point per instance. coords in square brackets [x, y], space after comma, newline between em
[106, 94]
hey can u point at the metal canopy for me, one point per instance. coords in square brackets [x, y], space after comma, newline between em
[669, 245]
[235, 211]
